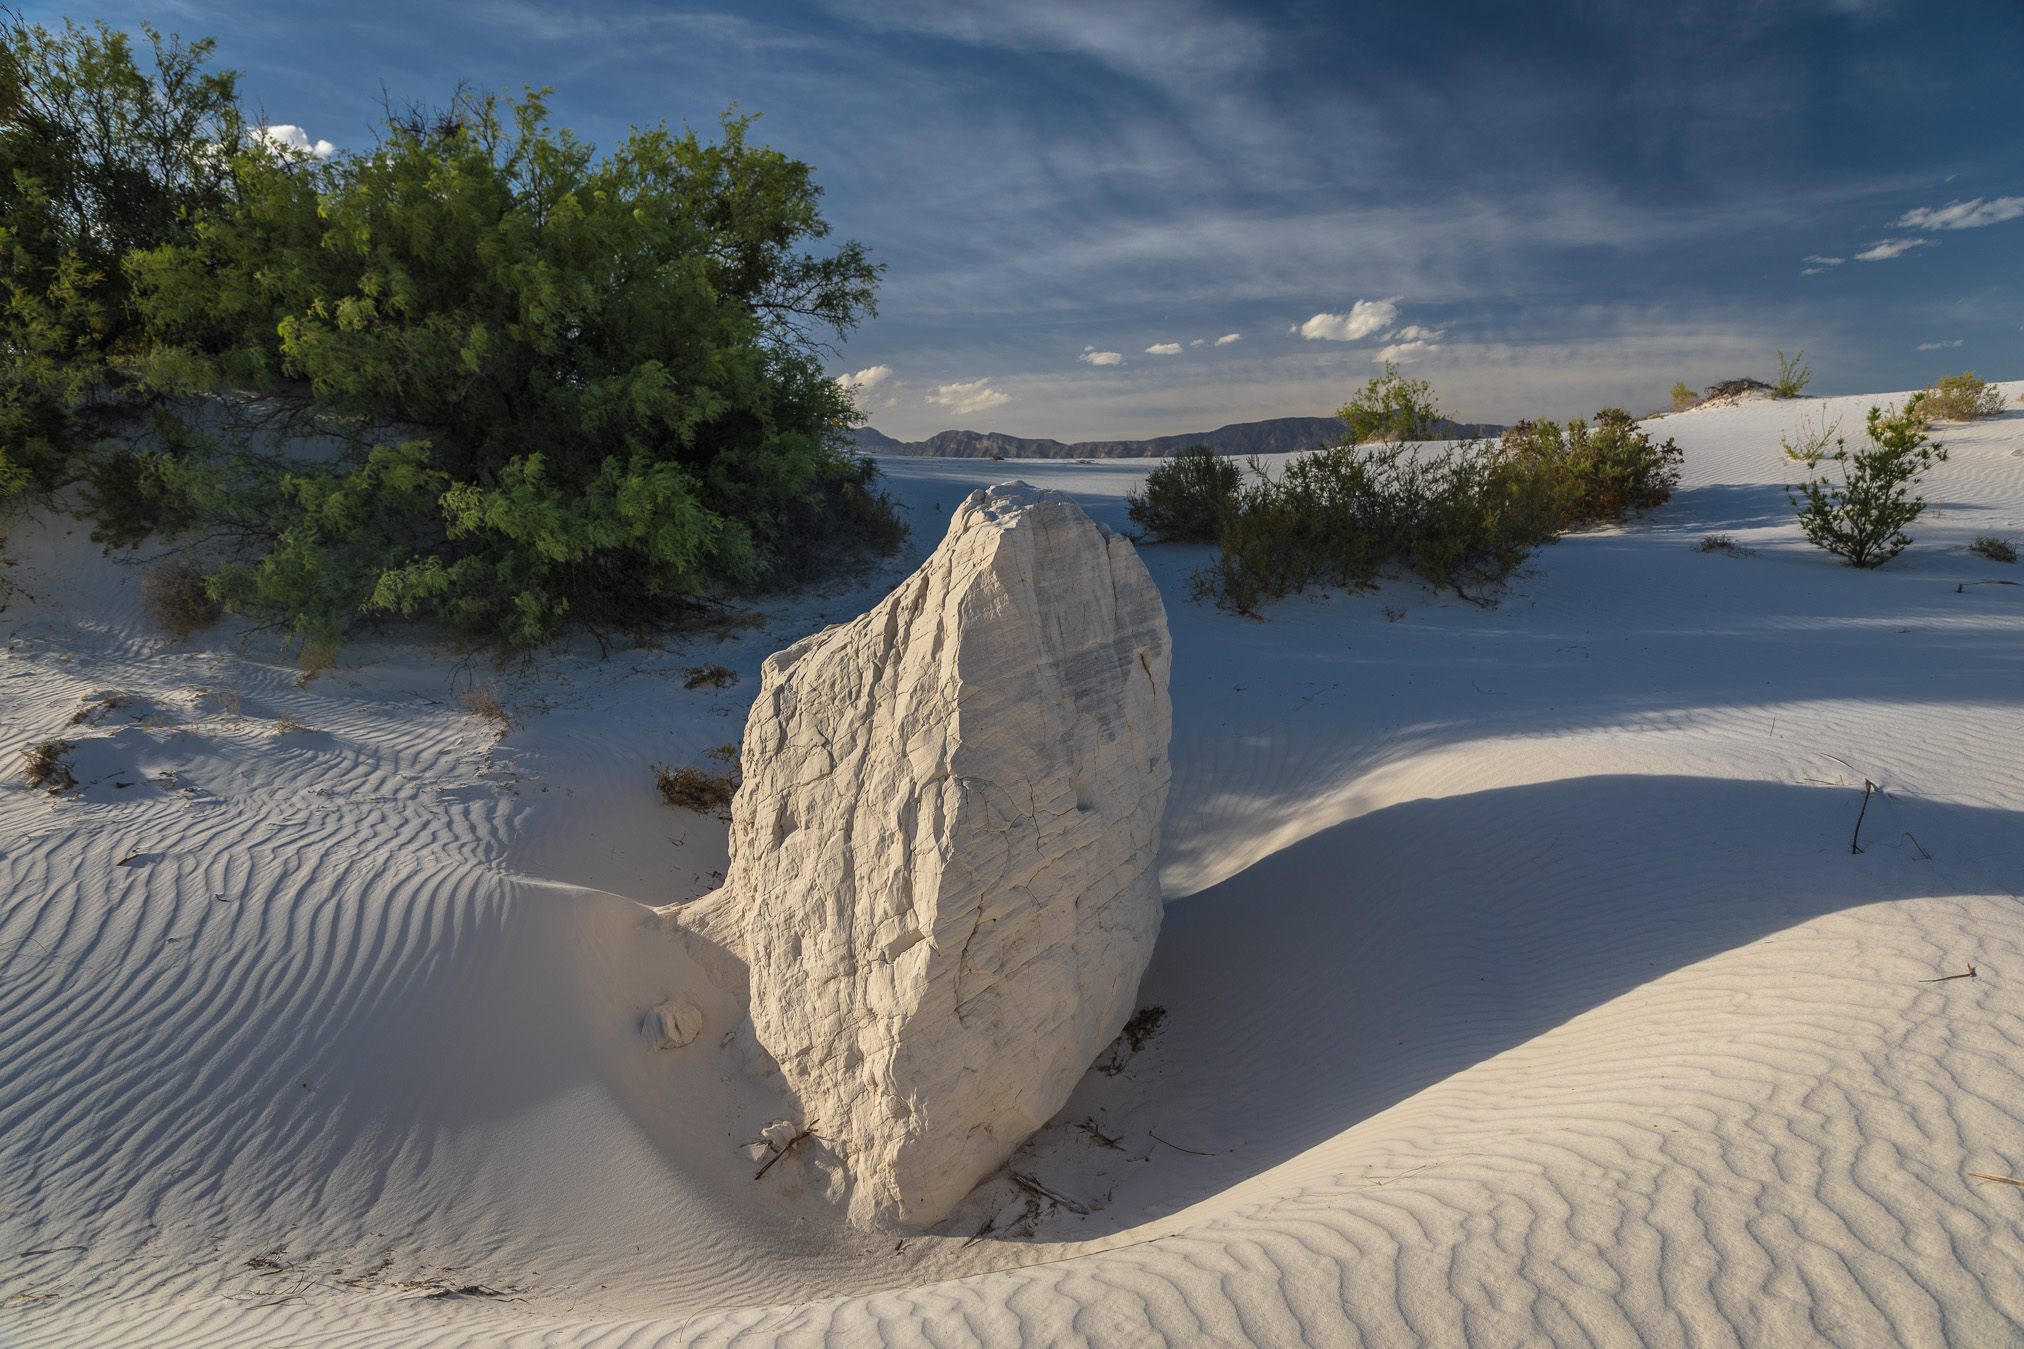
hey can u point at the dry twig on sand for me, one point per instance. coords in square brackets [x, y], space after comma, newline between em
[786, 1148]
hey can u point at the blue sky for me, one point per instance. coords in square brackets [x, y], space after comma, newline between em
[1139, 218]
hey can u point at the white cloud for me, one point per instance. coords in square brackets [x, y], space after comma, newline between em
[964, 399]
[1826, 262]
[1938, 346]
[285, 137]
[1962, 215]
[1364, 318]
[1412, 332]
[1197, 342]
[1095, 357]
[1227, 338]
[865, 380]
[1405, 353]
[1164, 349]
[1890, 248]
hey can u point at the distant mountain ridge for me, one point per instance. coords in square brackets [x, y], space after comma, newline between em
[1280, 435]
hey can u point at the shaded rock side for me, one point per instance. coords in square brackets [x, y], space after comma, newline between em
[942, 871]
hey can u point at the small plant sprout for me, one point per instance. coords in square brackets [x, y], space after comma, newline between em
[1807, 442]
[1862, 518]
[45, 766]
[699, 789]
[1793, 375]
[1722, 543]
[1995, 548]
[483, 702]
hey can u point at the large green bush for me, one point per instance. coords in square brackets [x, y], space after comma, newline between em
[563, 388]
[478, 372]
[1185, 498]
[98, 157]
[1600, 472]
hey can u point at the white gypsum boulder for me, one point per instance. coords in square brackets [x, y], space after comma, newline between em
[942, 855]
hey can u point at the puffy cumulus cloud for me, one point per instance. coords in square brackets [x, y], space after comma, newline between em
[1164, 349]
[964, 399]
[865, 380]
[1364, 318]
[285, 137]
[1405, 353]
[1412, 332]
[1938, 346]
[1227, 338]
[1095, 357]
[1890, 248]
[1962, 215]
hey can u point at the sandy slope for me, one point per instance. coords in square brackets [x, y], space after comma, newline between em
[1521, 984]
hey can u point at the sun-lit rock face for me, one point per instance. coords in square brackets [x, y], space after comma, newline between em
[942, 870]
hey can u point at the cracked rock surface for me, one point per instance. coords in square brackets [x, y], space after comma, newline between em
[942, 873]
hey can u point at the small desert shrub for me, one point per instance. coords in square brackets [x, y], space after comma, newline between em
[176, 598]
[1793, 375]
[699, 789]
[1722, 543]
[1601, 472]
[1185, 497]
[1392, 407]
[710, 676]
[1962, 398]
[44, 766]
[1461, 519]
[1862, 519]
[483, 702]
[1807, 442]
[1994, 548]
[1683, 397]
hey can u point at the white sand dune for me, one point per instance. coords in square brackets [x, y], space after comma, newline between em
[1521, 984]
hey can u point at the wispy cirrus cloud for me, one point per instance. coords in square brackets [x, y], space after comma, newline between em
[1937, 346]
[964, 399]
[1962, 215]
[1364, 318]
[1884, 249]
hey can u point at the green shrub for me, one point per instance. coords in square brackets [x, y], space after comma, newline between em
[1683, 397]
[614, 361]
[1185, 497]
[1461, 519]
[1994, 547]
[1391, 407]
[98, 158]
[1862, 518]
[1600, 472]
[1807, 443]
[1793, 375]
[1962, 398]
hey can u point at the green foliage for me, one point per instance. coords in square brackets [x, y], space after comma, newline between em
[1185, 497]
[1994, 547]
[1391, 407]
[1793, 375]
[98, 157]
[1807, 443]
[1962, 398]
[1683, 397]
[1863, 517]
[1461, 519]
[563, 389]
[1600, 472]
